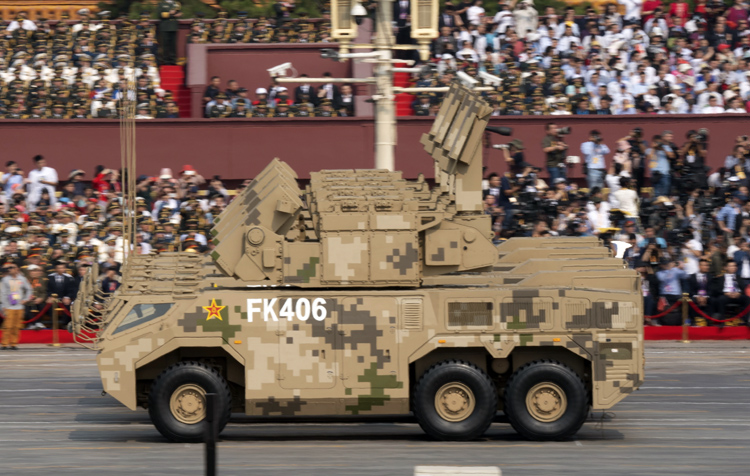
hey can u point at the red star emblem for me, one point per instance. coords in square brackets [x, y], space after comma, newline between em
[213, 310]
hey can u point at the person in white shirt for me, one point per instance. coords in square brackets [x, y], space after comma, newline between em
[598, 217]
[627, 198]
[468, 53]
[656, 21]
[693, 251]
[475, 13]
[526, 17]
[143, 112]
[713, 107]
[503, 19]
[735, 106]
[632, 11]
[39, 179]
[22, 22]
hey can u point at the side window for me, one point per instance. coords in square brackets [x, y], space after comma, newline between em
[142, 313]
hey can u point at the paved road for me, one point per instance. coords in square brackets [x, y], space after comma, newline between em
[691, 417]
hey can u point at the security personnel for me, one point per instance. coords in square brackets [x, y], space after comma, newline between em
[282, 110]
[304, 110]
[239, 110]
[422, 106]
[261, 110]
[169, 12]
[326, 109]
[221, 108]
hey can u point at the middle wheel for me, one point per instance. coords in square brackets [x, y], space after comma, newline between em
[455, 400]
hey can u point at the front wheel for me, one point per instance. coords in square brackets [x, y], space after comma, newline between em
[546, 401]
[177, 401]
[455, 400]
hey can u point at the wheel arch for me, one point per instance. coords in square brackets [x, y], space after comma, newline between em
[474, 355]
[521, 356]
[227, 362]
[517, 358]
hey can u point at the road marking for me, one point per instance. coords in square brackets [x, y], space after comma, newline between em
[630, 402]
[640, 394]
[685, 388]
[20, 390]
[578, 443]
[722, 352]
[658, 411]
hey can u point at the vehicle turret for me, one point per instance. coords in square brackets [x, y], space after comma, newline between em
[353, 228]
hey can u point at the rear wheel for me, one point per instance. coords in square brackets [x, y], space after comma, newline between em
[177, 401]
[546, 401]
[455, 400]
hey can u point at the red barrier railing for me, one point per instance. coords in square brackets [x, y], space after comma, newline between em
[706, 316]
[664, 313]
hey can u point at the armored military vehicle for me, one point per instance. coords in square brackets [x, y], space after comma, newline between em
[368, 294]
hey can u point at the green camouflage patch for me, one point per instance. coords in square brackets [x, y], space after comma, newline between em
[308, 269]
[378, 385]
[220, 325]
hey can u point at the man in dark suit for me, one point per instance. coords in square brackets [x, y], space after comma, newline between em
[83, 270]
[729, 289]
[699, 286]
[305, 89]
[110, 283]
[448, 17]
[401, 10]
[328, 90]
[649, 289]
[62, 284]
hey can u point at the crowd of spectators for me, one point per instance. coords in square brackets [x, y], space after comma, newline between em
[328, 100]
[79, 69]
[689, 231]
[276, 29]
[55, 226]
[630, 57]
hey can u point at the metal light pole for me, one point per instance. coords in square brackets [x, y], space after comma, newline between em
[385, 111]
[344, 17]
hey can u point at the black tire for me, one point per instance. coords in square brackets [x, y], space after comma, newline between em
[174, 377]
[558, 426]
[468, 376]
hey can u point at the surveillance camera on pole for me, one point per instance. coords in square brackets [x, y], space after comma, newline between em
[328, 53]
[280, 70]
[358, 12]
[490, 79]
[343, 24]
[467, 80]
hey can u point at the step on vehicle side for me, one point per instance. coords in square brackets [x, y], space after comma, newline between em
[367, 294]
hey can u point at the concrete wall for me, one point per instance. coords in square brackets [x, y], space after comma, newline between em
[240, 148]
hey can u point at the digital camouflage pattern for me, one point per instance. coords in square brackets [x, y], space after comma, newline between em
[333, 300]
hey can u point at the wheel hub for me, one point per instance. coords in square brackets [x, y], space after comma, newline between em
[188, 404]
[546, 402]
[454, 402]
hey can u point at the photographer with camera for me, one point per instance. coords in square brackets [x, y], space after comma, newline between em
[659, 157]
[513, 155]
[730, 215]
[670, 288]
[694, 151]
[593, 152]
[12, 178]
[737, 164]
[502, 190]
[637, 155]
[556, 150]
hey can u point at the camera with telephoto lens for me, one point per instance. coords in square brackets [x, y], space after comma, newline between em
[563, 131]
[679, 237]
